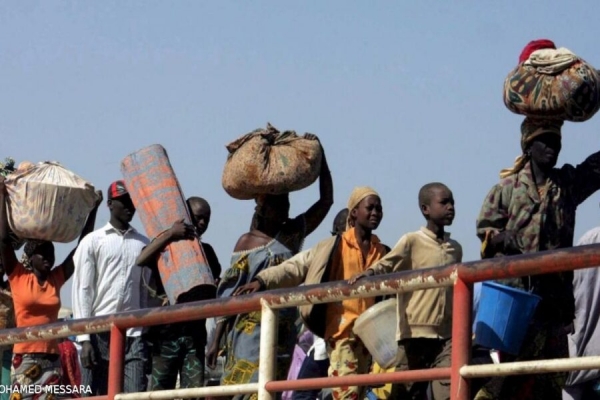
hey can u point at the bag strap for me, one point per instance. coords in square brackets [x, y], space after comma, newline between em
[336, 245]
[319, 311]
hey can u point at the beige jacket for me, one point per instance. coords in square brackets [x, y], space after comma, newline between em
[423, 313]
[307, 267]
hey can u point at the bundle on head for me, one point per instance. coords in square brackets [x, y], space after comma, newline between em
[552, 83]
[266, 161]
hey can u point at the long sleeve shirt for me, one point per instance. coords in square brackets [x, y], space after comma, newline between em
[107, 279]
[422, 313]
[542, 220]
[585, 340]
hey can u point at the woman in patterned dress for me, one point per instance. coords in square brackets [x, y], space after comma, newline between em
[273, 238]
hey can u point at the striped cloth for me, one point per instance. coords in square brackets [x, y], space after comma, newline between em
[155, 191]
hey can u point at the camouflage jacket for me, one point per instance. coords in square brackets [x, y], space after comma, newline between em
[541, 223]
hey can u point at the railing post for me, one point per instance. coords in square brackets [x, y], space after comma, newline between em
[115, 363]
[268, 350]
[461, 338]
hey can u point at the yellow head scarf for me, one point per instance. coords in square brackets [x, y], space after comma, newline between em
[530, 129]
[358, 195]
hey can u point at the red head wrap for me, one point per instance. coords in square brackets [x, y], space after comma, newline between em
[533, 46]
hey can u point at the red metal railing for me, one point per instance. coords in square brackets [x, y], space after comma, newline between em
[461, 276]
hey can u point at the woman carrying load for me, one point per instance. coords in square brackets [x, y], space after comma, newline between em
[35, 286]
[533, 209]
[272, 239]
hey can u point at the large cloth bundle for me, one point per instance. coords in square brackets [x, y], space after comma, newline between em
[48, 202]
[6, 168]
[159, 201]
[266, 161]
[553, 83]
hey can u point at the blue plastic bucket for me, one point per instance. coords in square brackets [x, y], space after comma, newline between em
[503, 317]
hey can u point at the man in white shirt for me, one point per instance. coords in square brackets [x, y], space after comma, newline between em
[107, 281]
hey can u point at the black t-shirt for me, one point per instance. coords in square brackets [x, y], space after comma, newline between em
[191, 328]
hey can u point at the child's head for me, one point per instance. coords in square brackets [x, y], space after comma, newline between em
[437, 204]
[365, 209]
[339, 222]
[200, 213]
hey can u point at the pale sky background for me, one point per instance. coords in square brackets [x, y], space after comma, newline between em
[401, 93]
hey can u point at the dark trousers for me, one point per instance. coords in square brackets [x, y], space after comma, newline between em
[311, 369]
[421, 353]
[134, 367]
[183, 356]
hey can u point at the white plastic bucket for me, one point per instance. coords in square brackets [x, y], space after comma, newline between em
[377, 327]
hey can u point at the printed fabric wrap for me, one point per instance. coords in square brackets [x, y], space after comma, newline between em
[243, 337]
[159, 201]
[553, 83]
[7, 314]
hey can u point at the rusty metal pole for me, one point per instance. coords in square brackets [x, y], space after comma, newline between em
[115, 363]
[268, 350]
[461, 338]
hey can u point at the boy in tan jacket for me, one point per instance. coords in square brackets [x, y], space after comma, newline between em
[424, 316]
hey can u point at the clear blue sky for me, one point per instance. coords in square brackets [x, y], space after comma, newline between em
[400, 93]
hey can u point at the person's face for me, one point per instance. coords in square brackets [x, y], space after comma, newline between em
[122, 208]
[42, 259]
[545, 149]
[440, 209]
[275, 208]
[369, 213]
[200, 217]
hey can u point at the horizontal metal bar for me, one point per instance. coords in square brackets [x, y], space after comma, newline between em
[213, 391]
[419, 375]
[543, 262]
[481, 270]
[530, 367]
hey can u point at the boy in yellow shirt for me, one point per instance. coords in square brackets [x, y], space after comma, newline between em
[424, 316]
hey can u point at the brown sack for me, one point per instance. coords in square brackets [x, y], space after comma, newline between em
[266, 161]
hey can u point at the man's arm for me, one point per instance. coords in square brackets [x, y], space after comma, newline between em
[396, 260]
[68, 265]
[179, 231]
[84, 282]
[289, 273]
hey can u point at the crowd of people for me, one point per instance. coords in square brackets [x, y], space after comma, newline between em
[114, 269]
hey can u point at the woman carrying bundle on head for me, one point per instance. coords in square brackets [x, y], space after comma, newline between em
[35, 286]
[272, 239]
[533, 209]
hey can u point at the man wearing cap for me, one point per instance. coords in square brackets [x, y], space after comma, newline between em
[107, 281]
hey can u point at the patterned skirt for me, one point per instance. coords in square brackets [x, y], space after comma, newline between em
[32, 373]
[243, 349]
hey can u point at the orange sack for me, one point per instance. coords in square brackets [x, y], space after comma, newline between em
[159, 201]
